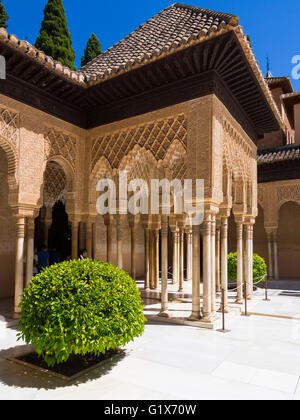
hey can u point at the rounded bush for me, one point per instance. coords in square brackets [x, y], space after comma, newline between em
[80, 307]
[259, 267]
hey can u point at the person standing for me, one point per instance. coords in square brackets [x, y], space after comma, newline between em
[43, 257]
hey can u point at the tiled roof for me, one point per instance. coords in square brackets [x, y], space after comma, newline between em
[168, 30]
[284, 82]
[278, 154]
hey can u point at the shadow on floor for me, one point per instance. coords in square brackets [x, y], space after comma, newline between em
[15, 375]
[283, 285]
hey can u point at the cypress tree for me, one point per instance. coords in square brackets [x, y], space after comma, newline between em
[55, 39]
[3, 16]
[93, 49]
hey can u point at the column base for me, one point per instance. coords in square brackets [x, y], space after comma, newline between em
[226, 310]
[194, 317]
[165, 314]
[180, 290]
[16, 315]
[239, 301]
[209, 318]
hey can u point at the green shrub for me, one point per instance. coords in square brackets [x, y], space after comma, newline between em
[80, 307]
[259, 267]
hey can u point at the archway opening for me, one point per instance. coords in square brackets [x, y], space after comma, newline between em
[289, 241]
[52, 224]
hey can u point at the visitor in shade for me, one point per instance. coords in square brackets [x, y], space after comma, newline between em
[43, 256]
[54, 256]
[83, 254]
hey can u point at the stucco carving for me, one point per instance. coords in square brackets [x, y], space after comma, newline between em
[156, 136]
[54, 185]
[59, 143]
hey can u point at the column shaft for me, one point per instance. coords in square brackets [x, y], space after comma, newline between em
[213, 266]
[218, 273]
[133, 251]
[239, 235]
[195, 316]
[74, 239]
[147, 260]
[89, 239]
[181, 273]
[189, 253]
[275, 249]
[19, 262]
[224, 253]
[30, 251]
[207, 271]
[164, 268]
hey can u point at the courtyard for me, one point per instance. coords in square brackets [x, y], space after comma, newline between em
[258, 359]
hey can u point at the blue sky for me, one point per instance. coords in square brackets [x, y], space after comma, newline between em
[273, 25]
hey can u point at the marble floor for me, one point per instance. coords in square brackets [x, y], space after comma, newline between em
[258, 359]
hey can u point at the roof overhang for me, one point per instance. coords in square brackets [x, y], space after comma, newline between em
[223, 64]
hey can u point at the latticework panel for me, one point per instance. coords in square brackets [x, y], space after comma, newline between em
[54, 185]
[9, 125]
[156, 137]
[61, 144]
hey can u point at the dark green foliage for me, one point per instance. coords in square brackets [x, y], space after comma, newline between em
[55, 39]
[259, 267]
[93, 49]
[3, 16]
[80, 307]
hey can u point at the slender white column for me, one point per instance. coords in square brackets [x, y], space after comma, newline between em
[30, 250]
[175, 257]
[19, 262]
[119, 242]
[133, 249]
[47, 225]
[147, 259]
[156, 259]
[189, 254]
[89, 239]
[251, 261]
[239, 236]
[74, 225]
[247, 260]
[195, 315]
[181, 273]
[224, 253]
[275, 249]
[164, 268]
[213, 266]
[207, 270]
[218, 272]
[109, 238]
[270, 255]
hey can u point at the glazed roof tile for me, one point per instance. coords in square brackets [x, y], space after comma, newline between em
[279, 154]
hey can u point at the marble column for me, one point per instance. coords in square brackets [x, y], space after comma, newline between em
[47, 224]
[152, 258]
[109, 222]
[275, 250]
[218, 272]
[189, 254]
[195, 315]
[213, 266]
[30, 250]
[19, 262]
[247, 261]
[224, 253]
[175, 277]
[164, 268]
[133, 247]
[156, 259]
[89, 239]
[240, 271]
[270, 256]
[147, 259]
[119, 242]
[74, 228]
[251, 230]
[207, 269]
[181, 265]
